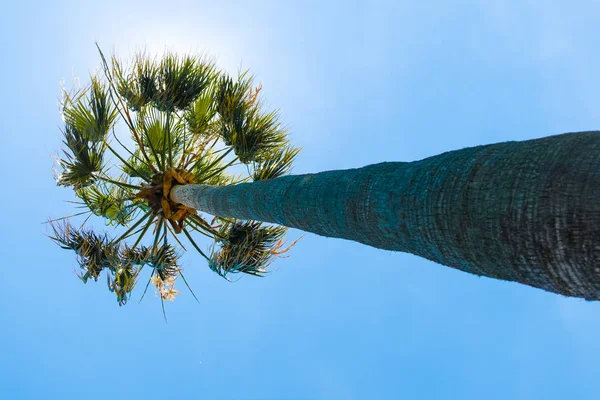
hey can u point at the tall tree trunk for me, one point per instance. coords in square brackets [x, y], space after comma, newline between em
[519, 211]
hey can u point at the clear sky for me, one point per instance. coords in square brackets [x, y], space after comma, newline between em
[357, 82]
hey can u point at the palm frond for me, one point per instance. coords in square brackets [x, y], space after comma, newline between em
[233, 106]
[181, 80]
[249, 247]
[201, 113]
[162, 134]
[82, 159]
[139, 87]
[210, 168]
[121, 281]
[130, 231]
[94, 252]
[262, 134]
[92, 115]
[110, 201]
[252, 133]
[135, 167]
[278, 164]
[169, 84]
[88, 116]
[163, 258]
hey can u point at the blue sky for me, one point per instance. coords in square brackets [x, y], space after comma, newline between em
[357, 82]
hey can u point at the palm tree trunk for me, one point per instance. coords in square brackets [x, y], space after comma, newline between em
[519, 211]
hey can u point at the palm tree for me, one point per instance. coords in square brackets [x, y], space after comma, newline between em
[518, 211]
[189, 123]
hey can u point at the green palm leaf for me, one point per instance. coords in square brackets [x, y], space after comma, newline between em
[201, 113]
[82, 160]
[110, 201]
[162, 134]
[136, 167]
[88, 117]
[180, 81]
[252, 134]
[278, 164]
[92, 115]
[137, 87]
[170, 84]
[248, 247]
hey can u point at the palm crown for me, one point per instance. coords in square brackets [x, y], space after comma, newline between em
[190, 124]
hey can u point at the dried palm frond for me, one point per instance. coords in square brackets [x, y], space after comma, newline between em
[94, 252]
